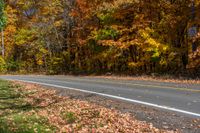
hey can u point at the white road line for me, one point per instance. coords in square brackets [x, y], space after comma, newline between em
[115, 97]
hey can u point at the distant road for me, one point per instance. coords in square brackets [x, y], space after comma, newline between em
[184, 99]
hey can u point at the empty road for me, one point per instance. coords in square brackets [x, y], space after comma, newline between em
[183, 99]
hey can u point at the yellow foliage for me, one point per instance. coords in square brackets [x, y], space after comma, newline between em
[58, 23]
[134, 64]
[153, 43]
[40, 62]
[10, 29]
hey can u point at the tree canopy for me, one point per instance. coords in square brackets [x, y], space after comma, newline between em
[99, 36]
[2, 15]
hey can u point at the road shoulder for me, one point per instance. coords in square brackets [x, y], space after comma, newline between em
[41, 109]
[159, 118]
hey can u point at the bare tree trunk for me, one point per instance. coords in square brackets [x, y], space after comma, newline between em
[2, 40]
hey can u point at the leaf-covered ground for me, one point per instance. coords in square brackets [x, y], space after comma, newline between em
[30, 108]
[156, 78]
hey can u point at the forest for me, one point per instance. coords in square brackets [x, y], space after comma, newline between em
[100, 36]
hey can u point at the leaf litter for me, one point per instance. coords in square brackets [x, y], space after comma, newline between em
[73, 115]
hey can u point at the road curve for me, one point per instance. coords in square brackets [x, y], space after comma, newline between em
[184, 99]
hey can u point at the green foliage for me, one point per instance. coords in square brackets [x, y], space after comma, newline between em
[12, 65]
[55, 65]
[106, 19]
[2, 15]
[94, 47]
[155, 56]
[69, 117]
[25, 36]
[105, 34]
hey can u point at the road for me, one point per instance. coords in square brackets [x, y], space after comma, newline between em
[183, 99]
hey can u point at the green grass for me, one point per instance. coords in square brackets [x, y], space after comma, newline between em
[13, 112]
[69, 117]
[21, 123]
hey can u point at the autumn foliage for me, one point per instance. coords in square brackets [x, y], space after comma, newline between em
[120, 36]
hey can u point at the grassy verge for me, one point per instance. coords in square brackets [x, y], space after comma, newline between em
[28, 108]
[14, 112]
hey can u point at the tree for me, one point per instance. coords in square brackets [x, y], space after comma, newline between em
[2, 25]
[128, 36]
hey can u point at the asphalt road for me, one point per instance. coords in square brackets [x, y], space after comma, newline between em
[183, 99]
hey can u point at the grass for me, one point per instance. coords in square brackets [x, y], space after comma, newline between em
[14, 112]
[69, 117]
